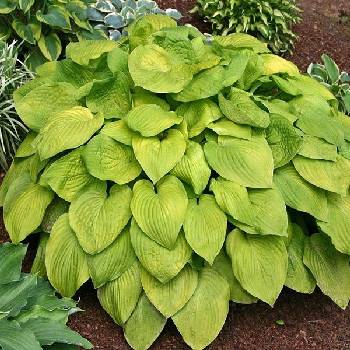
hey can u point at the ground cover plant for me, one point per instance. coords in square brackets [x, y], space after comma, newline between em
[192, 173]
[336, 81]
[270, 21]
[13, 73]
[31, 315]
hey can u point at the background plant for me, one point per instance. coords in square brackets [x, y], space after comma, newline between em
[270, 21]
[13, 74]
[329, 75]
[114, 16]
[31, 315]
[179, 174]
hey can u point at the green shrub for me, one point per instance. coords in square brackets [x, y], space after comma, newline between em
[114, 16]
[179, 174]
[31, 314]
[13, 73]
[329, 75]
[270, 21]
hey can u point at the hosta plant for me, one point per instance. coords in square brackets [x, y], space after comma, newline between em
[270, 21]
[13, 74]
[329, 75]
[32, 317]
[113, 16]
[179, 175]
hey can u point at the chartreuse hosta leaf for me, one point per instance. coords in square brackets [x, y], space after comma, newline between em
[151, 120]
[87, 50]
[172, 296]
[144, 325]
[299, 277]
[198, 115]
[65, 260]
[119, 297]
[110, 96]
[316, 148]
[98, 218]
[205, 227]
[56, 208]
[338, 224]
[160, 212]
[66, 130]
[222, 264]
[24, 207]
[193, 168]
[241, 109]
[26, 148]
[68, 176]
[328, 175]
[144, 97]
[259, 263]
[241, 41]
[226, 127]
[38, 266]
[11, 257]
[283, 139]
[107, 159]
[274, 64]
[119, 131]
[38, 105]
[329, 267]
[247, 162]
[113, 261]
[158, 70]
[199, 322]
[158, 156]
[160, 262]
[300, 194]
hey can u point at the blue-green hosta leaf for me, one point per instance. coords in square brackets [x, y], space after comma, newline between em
[68, 175]
[13, 337]
[259, 263]
[205, 227]
[140, 31]
[158, 157]
[160, 262]
[274, 64]
[66, 130]
[11, 257]
[222, 264]
[226, 127]
[48, 332]
[119, 297]
[86, 50]
[325, 174]
[24, 207]
[113, 261]
[198, 115]
[56, 208]
[241, 109]
[110, 96]
[329, 267]
[107, 159]
[157, 70]
[144, 325]
[200, 322]
[283, 139]
[151, 120]
[299, 277]
[98, 218]
[316, 148]
[241, 41]
[119, 131]
[144, 97]
[299, 194]
[50, 46]
[247, 162]
[315, 118]
[61, 248]
[160, 213]
[233, 199]
[38, 105]
[38, 266]
[26, 148]
[172, 296]
[55, 16]
[337, 226]
[193, 168]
